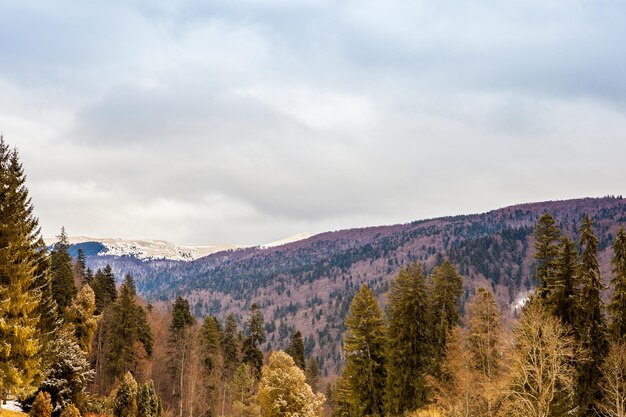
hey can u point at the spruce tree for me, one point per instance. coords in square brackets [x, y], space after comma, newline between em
[364, 346]
[255, 337]
[230, 348]
[591, 323]
[19, 265]
[80, 317]
[210, 344]
[126, 327]
[296, 349]
[104, 288]
[125, 402]
[617, 306]
[148, 401]
[445, 294]
[563, 292]
[62, 272]
[408, 341]
[129, 281]
[547, 236]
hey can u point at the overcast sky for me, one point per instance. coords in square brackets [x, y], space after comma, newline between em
[231, 121]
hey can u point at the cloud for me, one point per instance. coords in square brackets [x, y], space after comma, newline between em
[245, 121]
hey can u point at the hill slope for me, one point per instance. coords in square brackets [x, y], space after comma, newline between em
[308, 284]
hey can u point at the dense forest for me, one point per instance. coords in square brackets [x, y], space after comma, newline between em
[77, 341]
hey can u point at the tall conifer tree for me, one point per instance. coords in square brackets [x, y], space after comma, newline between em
[255, 337]
[230, 349]
[364, 345]
[408, 342]
[591, 323]
[547, 235]
[296, 349]
[562, 300]
[617, 307]
[445, 294]
[62, 272]
[19, 297]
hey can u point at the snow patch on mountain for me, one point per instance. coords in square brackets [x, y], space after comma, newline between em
[146, 249]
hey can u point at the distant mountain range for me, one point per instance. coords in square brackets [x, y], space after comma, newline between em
[308, 283]
[155, 249]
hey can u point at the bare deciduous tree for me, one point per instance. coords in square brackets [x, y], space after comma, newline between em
[613, 383]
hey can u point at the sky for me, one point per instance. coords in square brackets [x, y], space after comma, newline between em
[246, 121]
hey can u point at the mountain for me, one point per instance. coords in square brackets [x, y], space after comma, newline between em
[155, 249]
[308, 284]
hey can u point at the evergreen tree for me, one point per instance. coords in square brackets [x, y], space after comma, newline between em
[563, 293]
[127, 326]
[445, 294]
[148, 402]
[104, 288]
[19, 264]
[241, 388]
[296, 349]
[547, 236]
[69, 373]
[408, 341]
[129, 281]
[125, 403]
[591, 327]
[210, 344]
[80, 316]
[364, 346]
[70, 411]
[230, 349]
[312, 373]
[62, 272]
[255, 337]
[617, 306]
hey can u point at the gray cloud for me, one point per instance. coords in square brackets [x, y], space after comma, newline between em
[245, 121]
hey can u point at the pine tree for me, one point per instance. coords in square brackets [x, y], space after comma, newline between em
[364, 346]
[210, 344]
[445, 294]
[283, 391]
[591, 324]
[19, 264]
[69, 373]
[312, 373]
[125, 403]
[408, 342]
[80, 316]
[126, 328]
[129, 281]
[547, 236]
[241, 388]
[563, 293]
[62, 273]
[617, 306]
[148, 401]
[296, 349]
[230, 349]
[104, 288]
[255, 337]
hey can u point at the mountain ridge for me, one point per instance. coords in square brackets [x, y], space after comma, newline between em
[308, 284]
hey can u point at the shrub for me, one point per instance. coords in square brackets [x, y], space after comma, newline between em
[42, 407]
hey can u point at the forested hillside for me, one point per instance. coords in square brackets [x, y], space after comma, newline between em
[308, 285]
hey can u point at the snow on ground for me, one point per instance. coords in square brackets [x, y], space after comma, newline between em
[12, 406]
[160, 249]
